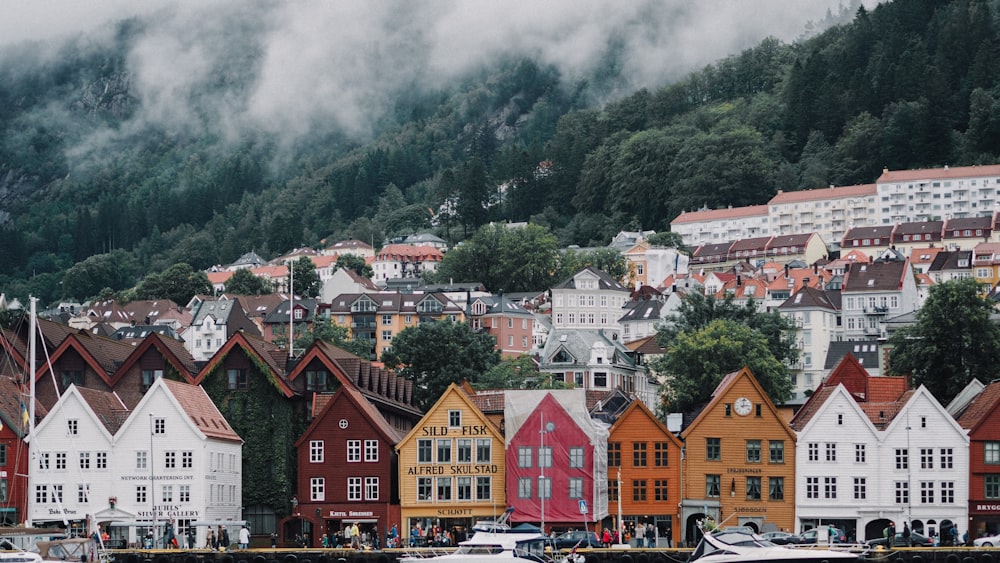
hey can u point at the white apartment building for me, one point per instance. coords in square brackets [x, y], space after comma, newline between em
[816, 316]
[174, 458]
[938, 193]
[589, 300]
[708, 226]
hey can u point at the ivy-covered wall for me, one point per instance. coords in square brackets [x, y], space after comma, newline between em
[269, 424]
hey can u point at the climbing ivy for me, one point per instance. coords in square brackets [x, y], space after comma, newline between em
[269, 423]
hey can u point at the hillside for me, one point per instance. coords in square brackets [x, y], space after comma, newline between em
[87, 170]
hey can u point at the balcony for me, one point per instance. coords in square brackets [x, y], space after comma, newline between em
[876, 310]
[363, 324]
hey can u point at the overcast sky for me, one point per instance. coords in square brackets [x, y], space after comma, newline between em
[342, 62]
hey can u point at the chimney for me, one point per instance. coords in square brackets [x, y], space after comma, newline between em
[739, 280]
[805, 282]
[786, 271]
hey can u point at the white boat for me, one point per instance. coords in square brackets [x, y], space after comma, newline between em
[743, 546]
[20, 557]
[495, 541]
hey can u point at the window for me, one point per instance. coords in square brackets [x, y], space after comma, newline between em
[991, 452]
[371, 488]
[73, 427]
[524, 456]
[812, 487]
[140, 459]
[753, 451]
[545, 487]
[386, 336]
[354, 488]
[638, 490]
[61, 460]
[576, 457]
[600, 379]
[149, 376]
[545, 456]
[639, 454]
[992, 486]
[860, 488]
[712, 485]
[424, 488]
[316, 451]
[575, 487]
[614, 454]
[661, 490]
[902, 458]
[102, 460]
[3, 455]
[753, 488]
[463, 488]
[443, 488]
[386, 320]
[170, 460]
[316, 380]
[713, 449]
[660, 451]
[830, 487]
[84, 460]
[484, 488]
[947, 458]
[948, 492]
[813, 449]
[612, 490]
[83, 493]
[72, 377]
[167, 493]
[184, 493]
[926, 458]
[902, 492]
[371, 450]
[776, 488]
[140, 494]
[831, 452]
[444, 451]
[484, 450]
[187, 460]
[777, 451]
[353, 451]
[926, 492]
[454, 419]
[859, 453]
[236, 379]
[424, 451]
[524, 487]
[463, 451]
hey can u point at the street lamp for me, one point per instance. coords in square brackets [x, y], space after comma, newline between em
[152, 477]
[546, 427]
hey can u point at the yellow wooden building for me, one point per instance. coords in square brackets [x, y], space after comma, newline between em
[739, 465]
[451, 470]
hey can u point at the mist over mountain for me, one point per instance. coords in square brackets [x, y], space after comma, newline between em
[137, 135]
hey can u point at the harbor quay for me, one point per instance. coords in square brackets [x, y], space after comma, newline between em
[652, 555]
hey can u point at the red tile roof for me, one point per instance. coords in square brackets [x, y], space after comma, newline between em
[948, 172]
[719, 214]
[201, 410]
[823, 194]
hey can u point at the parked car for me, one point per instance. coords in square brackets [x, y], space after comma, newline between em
[779, 538]
[809, 536]
[581, 538]
[987, 541]
[916, 540]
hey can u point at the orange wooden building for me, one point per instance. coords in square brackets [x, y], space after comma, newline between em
[739, 467]
[644, 472]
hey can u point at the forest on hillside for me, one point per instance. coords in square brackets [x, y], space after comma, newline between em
[904, 85]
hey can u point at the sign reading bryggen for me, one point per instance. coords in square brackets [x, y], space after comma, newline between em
[451, 467]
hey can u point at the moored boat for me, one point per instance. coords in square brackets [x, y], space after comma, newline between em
[495, 541]
[743, 546]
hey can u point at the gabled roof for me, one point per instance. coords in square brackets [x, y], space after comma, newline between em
[719, 394]
[823, 194]
[375, 383]
[109, 409]
[457, 391]
[954, 228]
[268, 354]
[951, 260]
[103, 355]
[644, 310]
[858, 383]
[812, 298]
[638, 408]
[280, 313]
[173, 351]
[883, 232]
[259, 306]
[194, 402]
[932, 228]
[13, 400]
[865, 352]
[604, 280]
[982, 409]
[750, 244]
[218, 309]
[648, 346]
[333, 403]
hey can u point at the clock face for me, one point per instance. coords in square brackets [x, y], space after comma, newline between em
[742, 406]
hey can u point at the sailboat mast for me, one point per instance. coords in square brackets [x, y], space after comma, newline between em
[32, 328]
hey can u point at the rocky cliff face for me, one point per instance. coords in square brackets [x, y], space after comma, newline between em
[108, 95]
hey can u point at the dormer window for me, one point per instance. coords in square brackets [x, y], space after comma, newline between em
[298, 314]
